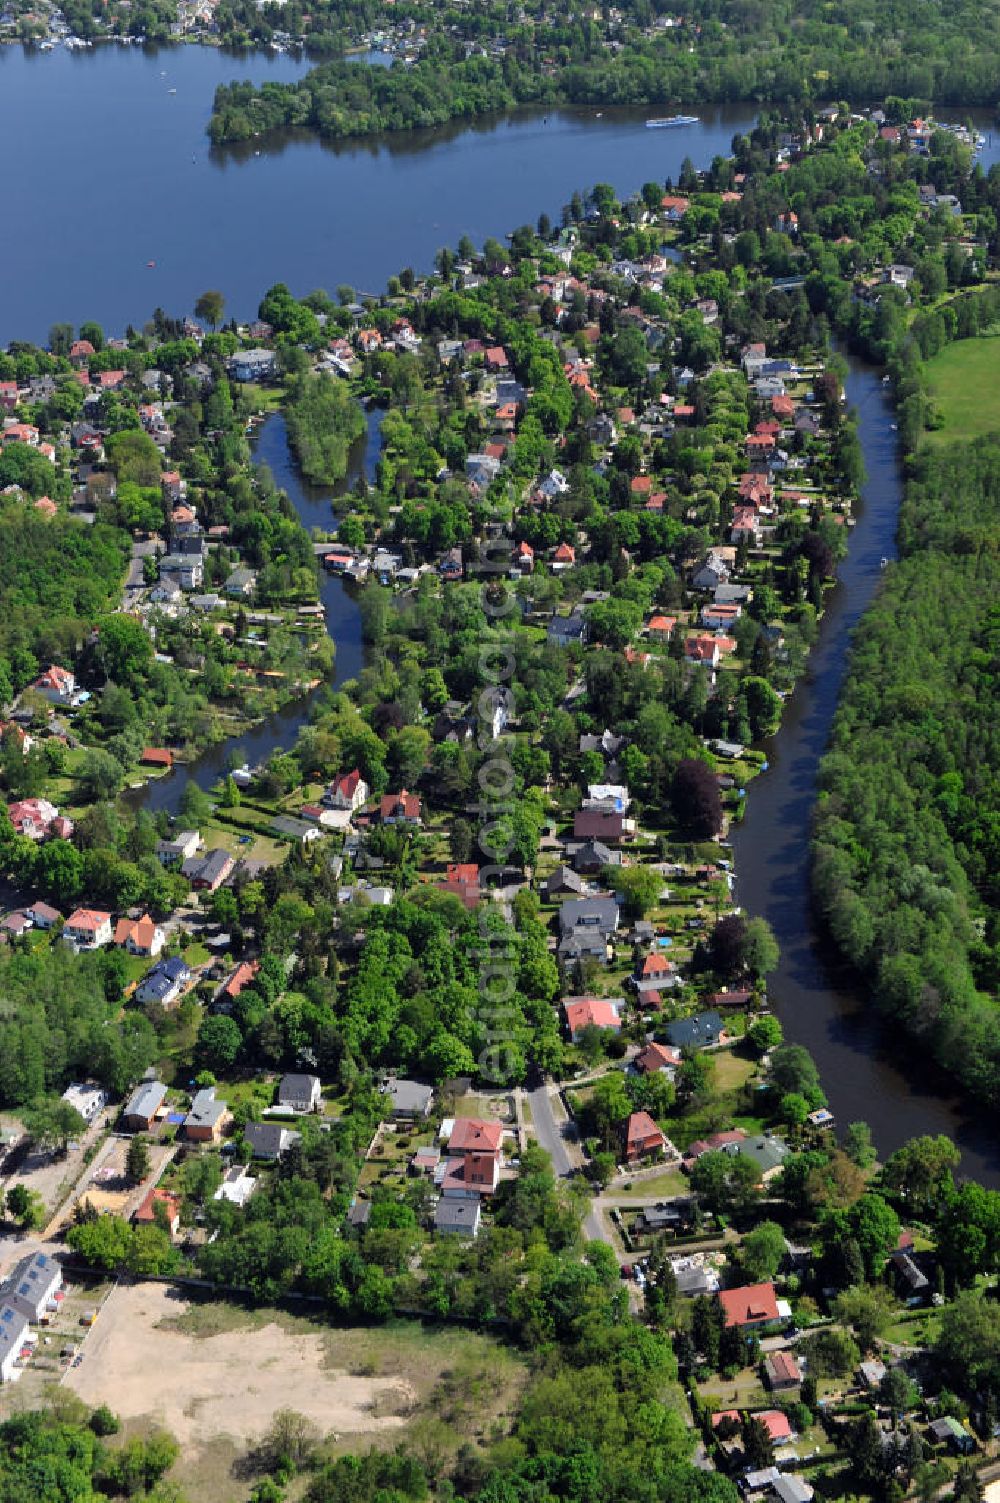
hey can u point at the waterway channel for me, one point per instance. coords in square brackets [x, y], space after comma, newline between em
[314, 506]
[866, 1074]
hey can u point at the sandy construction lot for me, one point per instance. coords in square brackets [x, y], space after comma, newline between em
[229, 1384]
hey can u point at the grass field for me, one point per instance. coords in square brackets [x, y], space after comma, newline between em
[964, 384]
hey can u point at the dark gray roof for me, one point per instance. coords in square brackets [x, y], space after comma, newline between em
[410, 1097]
[600, 913]
[296, 1087]
[694, 1033]
[455, 1215]
[269, 1140]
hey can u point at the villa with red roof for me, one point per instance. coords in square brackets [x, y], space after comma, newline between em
[753, 1305]
[56, 685]
[347, 791]
[642, 1137]
[88, 929]
[475, 1156]
[241, 977]
[400, 808]
[656, 1058]
[140, 936]
[591, 1012]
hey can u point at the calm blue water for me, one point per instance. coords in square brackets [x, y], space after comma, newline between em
[113, 171]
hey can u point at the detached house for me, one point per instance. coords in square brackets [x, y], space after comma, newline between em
[591, 1012]
[400, 808]
[753, 1305]
[475, 1156]
[642, 1137]
[56, 684]
[300, 1093]
[164, 982]
[140, 936]
[348, 791]
[88, 929]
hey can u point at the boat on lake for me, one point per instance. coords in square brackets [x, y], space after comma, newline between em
[668, 120]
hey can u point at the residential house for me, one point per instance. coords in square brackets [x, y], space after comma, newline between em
[749, 1307]
[139, 1111]
[782, 1371]
[592, 855]
[88, 929]
[182, 846]
[475, 1156]
[140, 936]
[240, 584]
[695, 1279]
[953, 1436]
[301, 1093]
[237, 1186]
[609, 798]
[565, 631]
[56, 684]
[702, 1031]
[149, 1214]
[208, 872]
[15, 1338]
[37, 819]
[777, 1424]
[642, 1137]
[241, 977]
[591, 1012]
[462, 880]
[457, 1218]
[656, 1059]
[592, 824]
[86, 1098]
[269, 1140]
[660, 627]
[32, 1285]
[252, 365]
[411, 1099]
[165, 982]
[400, 809]
[563, 880]
[347, 791]
[600, 912]
[715, 1143]
[204, 1121]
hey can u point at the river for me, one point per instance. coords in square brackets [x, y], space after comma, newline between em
[314, 505]
[865, 1072]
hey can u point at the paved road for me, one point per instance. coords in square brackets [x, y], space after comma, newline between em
[549, 1119]
[548, 1131]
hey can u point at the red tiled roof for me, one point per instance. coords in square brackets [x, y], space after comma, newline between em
[747, 1306]
[472, 1135]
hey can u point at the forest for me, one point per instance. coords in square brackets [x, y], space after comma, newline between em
[722, 52]
[908, 827]
[323, 421]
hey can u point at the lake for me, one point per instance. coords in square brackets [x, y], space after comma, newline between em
[79, 226]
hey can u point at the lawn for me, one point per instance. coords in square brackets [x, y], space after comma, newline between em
[964, 384]
[670, 1182]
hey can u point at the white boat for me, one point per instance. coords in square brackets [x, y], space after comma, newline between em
[669, 120]
[883, 563]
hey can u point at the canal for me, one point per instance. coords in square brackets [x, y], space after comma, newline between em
[865, 1072]
[315, 508]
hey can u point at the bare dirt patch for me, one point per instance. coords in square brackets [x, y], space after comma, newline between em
[228, 1384]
